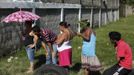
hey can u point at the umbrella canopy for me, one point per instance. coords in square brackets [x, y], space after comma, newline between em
[20, 16]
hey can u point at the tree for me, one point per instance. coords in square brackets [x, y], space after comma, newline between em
[130, 2]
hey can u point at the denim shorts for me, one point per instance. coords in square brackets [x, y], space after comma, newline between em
[49, 58]
[30, 53]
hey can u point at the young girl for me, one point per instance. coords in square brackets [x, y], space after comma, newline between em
[30, 45]
[88, 57]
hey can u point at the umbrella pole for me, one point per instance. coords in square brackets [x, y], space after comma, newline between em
[21, 35]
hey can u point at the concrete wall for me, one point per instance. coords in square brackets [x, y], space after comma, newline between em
[50, 18]
[6, 0]
[10, 34]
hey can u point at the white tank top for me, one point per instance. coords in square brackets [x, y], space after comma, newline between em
[65, 45]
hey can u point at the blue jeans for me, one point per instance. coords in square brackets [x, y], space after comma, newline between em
[30, 54]
[49, 58]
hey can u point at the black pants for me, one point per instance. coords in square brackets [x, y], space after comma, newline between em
[114, 69]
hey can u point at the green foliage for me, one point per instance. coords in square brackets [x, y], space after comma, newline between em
[130, 2]
[84, 23]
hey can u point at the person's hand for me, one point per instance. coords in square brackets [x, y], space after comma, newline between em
[116, 73]
[31, 46]
[79, 34]
[46, 54]
[53, 54]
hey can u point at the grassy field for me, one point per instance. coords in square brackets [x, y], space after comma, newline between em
[104, 49]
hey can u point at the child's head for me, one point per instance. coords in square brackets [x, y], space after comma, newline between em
[114, 36]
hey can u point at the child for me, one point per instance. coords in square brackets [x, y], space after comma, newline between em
[123, 55]
[30, 44]
[88, 58]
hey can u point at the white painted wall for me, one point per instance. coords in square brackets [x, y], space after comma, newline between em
[5, 0]
[23, 0]
[15, 0]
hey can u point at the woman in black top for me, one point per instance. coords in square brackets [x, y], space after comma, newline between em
[30, 45]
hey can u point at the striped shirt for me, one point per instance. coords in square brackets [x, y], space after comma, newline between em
[48, 35]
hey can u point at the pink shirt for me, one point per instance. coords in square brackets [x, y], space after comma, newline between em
[124, 50]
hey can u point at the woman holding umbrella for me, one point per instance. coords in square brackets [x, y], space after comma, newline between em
[30, 43]
[31, 34]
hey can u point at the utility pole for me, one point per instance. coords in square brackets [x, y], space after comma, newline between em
[34, 11]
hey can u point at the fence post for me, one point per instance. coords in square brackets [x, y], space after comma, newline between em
[118, 17]
[115, 15]
[91, 17]
[62, 15]
[100, 14]
[111, 14]
[34, 11]
[79, 18]
[105, 17]
[100, 17]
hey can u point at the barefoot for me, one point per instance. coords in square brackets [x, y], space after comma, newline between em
[30, 71]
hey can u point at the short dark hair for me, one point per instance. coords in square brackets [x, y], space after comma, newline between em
[84, 29]
[64, 24]
[29, 22]
[36, 29]
[114, 35]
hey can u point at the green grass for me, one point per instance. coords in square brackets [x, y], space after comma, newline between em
[104, 49]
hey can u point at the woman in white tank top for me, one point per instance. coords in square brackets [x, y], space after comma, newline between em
[63, 46]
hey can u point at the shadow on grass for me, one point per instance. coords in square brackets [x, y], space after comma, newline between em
[77, 68]
[41, 60]
[95, 73]
[132, 72]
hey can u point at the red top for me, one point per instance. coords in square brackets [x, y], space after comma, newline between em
[124, 50]
[49, 35]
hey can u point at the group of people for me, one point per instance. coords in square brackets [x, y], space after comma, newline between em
[61, 45]
[52, 44]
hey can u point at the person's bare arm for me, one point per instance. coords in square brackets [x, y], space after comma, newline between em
[60, 39]
[35, 39]
[83, 36]
[50, 46]
[44, 46]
